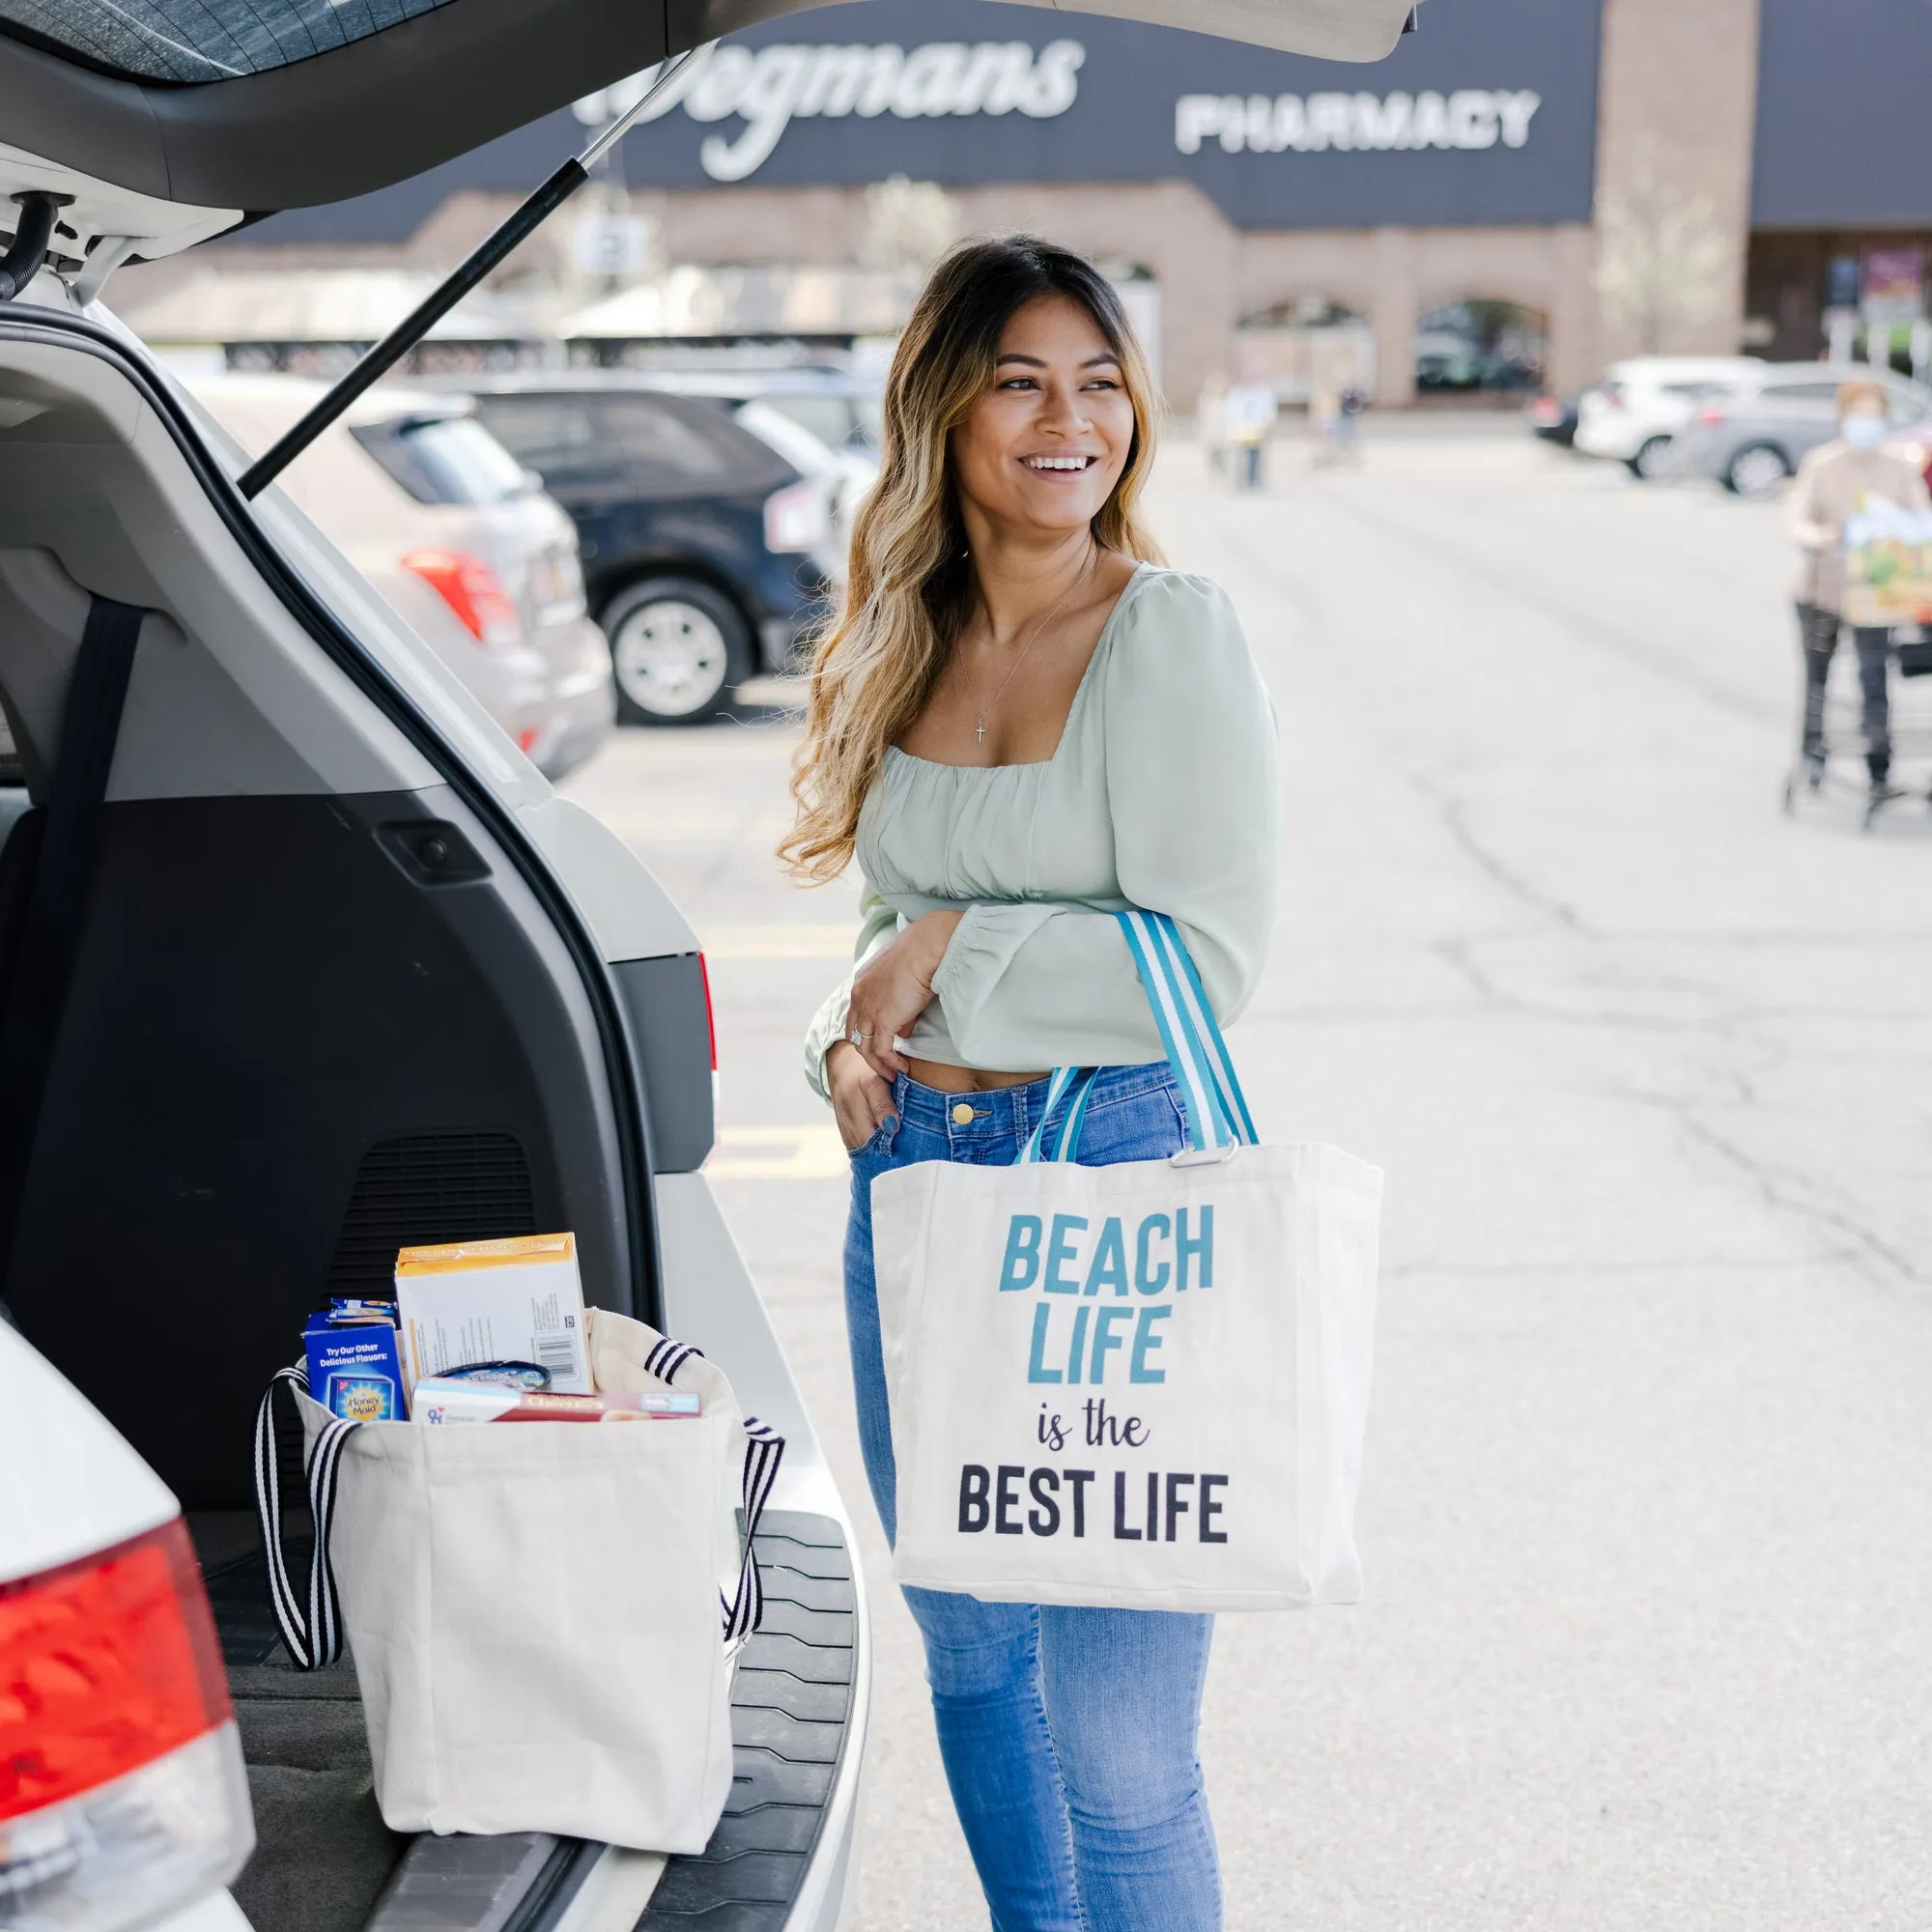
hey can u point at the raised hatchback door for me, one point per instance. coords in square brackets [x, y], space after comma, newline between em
[166, 123]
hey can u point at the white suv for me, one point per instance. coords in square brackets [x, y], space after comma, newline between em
[1636, 413]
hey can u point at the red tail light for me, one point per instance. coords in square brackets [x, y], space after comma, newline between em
[471, 589]
[122, 1789]
[710, 1019]
[1710, 415]
[106, 1665]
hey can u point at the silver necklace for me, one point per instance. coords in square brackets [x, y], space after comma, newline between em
[980, 730]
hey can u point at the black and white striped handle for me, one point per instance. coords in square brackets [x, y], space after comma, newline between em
[765, 1450]
[312, 1634]
[312, 1631]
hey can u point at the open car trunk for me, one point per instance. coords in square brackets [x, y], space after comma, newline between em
[328, 995]
[317, 1010]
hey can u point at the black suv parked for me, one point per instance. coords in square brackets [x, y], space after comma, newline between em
[703, 549]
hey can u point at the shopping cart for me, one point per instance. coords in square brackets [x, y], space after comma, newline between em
[1911, 776]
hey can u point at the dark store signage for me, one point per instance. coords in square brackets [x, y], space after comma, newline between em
[1841, 102]
[1487, 115]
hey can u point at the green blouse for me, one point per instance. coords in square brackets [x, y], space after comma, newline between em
[1163, 793]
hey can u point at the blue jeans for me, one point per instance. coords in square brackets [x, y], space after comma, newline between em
[1068, 1735]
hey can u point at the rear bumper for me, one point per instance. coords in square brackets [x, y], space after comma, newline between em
[580, 707]
[782, 1858]
[1617, 437]
[813, 1651]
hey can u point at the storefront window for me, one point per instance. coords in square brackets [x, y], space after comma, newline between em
[1479, 345]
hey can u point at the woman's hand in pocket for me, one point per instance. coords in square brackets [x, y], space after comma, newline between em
[862, 1101]
[894, 987]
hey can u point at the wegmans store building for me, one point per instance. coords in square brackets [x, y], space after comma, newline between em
[1522, 191]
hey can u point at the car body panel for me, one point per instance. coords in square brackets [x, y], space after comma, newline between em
[69, 1484]
[1791, 407]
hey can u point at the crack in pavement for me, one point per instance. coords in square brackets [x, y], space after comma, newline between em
[1452, 812]
[1783, 1190]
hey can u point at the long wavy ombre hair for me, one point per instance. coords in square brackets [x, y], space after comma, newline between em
[910, 587]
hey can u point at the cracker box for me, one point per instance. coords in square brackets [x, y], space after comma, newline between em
[513, 1300]
[356, 1371]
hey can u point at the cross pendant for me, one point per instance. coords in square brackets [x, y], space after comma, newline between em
[980, 731]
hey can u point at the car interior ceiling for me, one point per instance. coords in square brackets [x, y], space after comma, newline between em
[287, 1044]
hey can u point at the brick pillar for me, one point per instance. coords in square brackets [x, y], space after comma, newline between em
[1575, 330]
[1392, 314]
[1677, 107]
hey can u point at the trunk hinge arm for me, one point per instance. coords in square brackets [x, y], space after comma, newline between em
[108, 253]
[383, 355]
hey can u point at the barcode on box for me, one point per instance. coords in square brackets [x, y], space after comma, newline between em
[558, 1354]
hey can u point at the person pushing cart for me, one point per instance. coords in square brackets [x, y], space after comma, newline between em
[1841, 481]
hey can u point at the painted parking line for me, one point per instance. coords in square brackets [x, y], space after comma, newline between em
[813, 1152]
[777, 942]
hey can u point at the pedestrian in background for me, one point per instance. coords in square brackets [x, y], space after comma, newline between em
[1211, 422]
[1833, 482]
[1019, 722]
[1251, 412]
[1324, 413]
[1348, 424]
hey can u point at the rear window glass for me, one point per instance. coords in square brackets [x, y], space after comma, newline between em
[655, 443]
[446, 460]
[1801, 392]
[828, 417]
[203, 39]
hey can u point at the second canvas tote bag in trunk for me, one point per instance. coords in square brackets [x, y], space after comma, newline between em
[542, 1614]
[1144, 1386]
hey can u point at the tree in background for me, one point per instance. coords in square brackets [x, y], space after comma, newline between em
[1663, 261]
[909, 224]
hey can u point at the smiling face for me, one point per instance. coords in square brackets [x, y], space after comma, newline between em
[1043, 449]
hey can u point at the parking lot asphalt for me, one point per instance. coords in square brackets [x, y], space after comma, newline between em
[1649, 1067]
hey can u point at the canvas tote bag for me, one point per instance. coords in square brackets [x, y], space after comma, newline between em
[1141, 1386]
[541, 1614]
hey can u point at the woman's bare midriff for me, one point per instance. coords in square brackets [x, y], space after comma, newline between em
[963, 1079]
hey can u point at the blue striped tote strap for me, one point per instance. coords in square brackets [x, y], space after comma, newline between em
[1210, 1092]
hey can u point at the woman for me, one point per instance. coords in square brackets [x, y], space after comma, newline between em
[1019, 723]
[1832, 481]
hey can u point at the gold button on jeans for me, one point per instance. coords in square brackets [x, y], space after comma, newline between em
[962, 1115]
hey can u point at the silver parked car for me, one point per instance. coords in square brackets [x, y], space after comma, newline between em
[1750, 433]
[459, 538]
